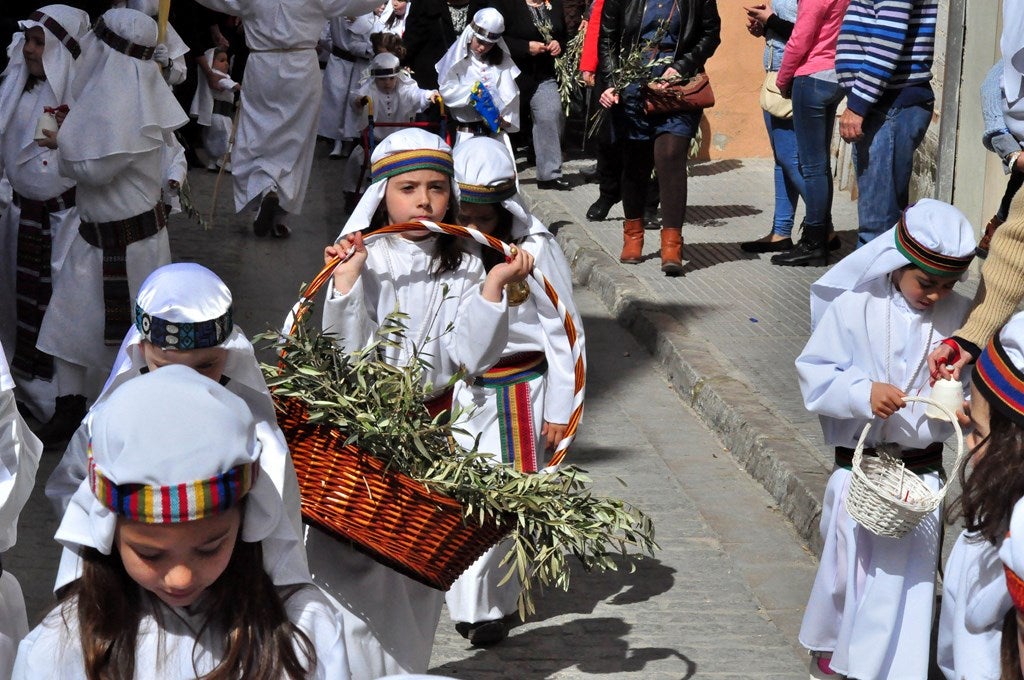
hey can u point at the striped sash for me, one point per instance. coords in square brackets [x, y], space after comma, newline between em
[510, 378]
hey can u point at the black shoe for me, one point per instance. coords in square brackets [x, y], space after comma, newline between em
[765, 244]
[67, 416]
[834, 243]
[652, 219]
[803, 254]
[488, 633]
[463, 628]
[599, 209]
[556, 184]
[264, 221]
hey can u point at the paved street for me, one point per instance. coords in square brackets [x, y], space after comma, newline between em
[723, 597]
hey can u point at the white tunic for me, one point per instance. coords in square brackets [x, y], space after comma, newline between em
[872, 600]
[216, 126]
[281, 94]
[390, 619]
[338, 120]
[170, 648]
[457, 87]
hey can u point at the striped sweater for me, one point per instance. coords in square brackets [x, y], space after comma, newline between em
[884, 45]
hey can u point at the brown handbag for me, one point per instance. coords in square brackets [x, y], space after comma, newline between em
[684, 95]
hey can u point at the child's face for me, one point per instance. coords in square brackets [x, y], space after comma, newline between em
[177, 562]
[420, 194]
[480, 216]
[976, 438]
[208, 361]
[32, 50]
[398, 7]
[921, 289]
[387, 85]
[220, 62]
[479, 47]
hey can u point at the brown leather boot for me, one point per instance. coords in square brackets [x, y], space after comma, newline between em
[672, 251]
[632, 241]
[986, 238]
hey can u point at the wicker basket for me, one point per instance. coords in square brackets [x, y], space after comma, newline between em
[886, 498]
[385, 513]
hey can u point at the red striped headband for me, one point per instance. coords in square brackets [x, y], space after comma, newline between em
[924, 257]
[175, 503]
[58, 32]
[1016, 587]
[416, 159]
[1000, 381]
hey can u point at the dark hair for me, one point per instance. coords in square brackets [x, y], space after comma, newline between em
[244, 606]
[448, 254]
[993, 482]
[388, 42]
[503, 231]
[493, 56]
[221, 50]
[1009, 652]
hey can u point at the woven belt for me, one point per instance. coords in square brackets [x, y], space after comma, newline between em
[928, 459]
[515, 368]
[222, 108]
[440, 403]
[474, 128]
[55, 204]
[343, 54]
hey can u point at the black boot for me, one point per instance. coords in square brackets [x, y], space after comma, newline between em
[598, 210]
[67, 416]
[806, 253]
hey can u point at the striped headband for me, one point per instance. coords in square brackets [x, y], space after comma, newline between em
[58, 32]
[925, 258]
[122, 45]
[1016, 587]
[407, 161]
[385, 72]
[183, 335]
[483, 33]
[494, 193]
[176, 503]
[1000, 382]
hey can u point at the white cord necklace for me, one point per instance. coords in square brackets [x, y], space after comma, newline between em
[888, 342]
[412, 341]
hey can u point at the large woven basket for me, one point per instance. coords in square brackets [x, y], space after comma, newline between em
[886, 498]
[385, 513]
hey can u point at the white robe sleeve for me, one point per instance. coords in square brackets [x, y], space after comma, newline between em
[70, 471]
[19, 460]
[453, 90]
[831, 385]
[347, 317]
[337, 8]
[96, 171]
[311, 612]
[481, 327]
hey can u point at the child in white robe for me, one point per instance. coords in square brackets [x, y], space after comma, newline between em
[213, 108]
[190, 562]
[521, 406]
[390, 619]
[480, 57]
[1011, 553]
[19, 461]
[41, 222]
[170, 54]
[349, 42]
[392, 19]
[184, 316]
[394, 97]
[113, 143]
[975, 600]
[875, 318]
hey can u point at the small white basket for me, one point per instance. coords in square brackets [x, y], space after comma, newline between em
[886, 498]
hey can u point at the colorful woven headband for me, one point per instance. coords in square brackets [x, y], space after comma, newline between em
[176, 503]
[174, 335]
[483, 34]
[122, 45]
[385, 72]
[925, 258]
[58, 32]
[495, 193]
[1016, 587]
[1000, 382]
[407, 161]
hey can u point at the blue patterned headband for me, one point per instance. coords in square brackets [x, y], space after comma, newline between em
[183, 335]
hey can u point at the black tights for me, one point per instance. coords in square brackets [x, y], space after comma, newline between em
[667, 154]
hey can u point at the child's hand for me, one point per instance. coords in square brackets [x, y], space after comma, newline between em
[963, 416]
[49, 139]
[552, 433]
[886, 399]
[945, 356]
[435, 98]
[347, 273]
[516, 269]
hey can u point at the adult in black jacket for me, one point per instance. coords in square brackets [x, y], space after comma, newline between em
[429, 31]
[534, 52]
[686, 33]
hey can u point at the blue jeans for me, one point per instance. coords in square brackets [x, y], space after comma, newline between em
[789, 184]
[884, 159]
[814, 115]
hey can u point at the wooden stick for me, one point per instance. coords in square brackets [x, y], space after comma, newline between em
[224, 161]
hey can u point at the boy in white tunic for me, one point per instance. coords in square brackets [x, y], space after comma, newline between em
[19, 461]
[214, 107]
[113, 144]
[191, 565]
[520, 407]
[41, 221]
[390, 619]
[875, 317]
[280, 102]
[349, 42]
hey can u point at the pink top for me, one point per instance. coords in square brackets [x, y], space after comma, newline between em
[812, 45]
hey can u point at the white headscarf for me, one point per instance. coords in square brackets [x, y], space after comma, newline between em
[176, 47]
[935, 225]
[1012, 554]
[385, 65]
[175, 427]
[59, 61]
[487, 26]
[121, 103]
[486, 173]
[400, 149]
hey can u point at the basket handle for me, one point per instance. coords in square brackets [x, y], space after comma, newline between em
[858, 453]
[301, 307]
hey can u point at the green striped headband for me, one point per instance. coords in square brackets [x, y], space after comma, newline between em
[407, 161]
[495, 193]
[924, 257]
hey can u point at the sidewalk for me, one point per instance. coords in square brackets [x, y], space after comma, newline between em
[729, 329]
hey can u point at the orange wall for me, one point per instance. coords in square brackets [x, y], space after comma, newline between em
[735, 126]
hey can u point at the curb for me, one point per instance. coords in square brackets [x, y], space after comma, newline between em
[773, 453]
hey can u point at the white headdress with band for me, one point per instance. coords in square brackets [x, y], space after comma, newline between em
[932, 235]
[172, 446]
